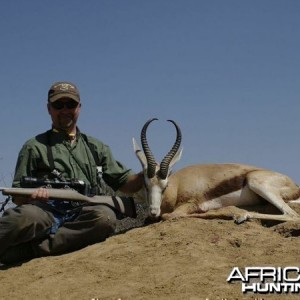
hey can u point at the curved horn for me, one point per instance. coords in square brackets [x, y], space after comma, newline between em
[164, 165]
[149, 156]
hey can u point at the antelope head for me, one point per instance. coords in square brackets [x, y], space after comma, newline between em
[156, 175]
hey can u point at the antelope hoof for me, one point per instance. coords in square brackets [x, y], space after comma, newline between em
[241, 219]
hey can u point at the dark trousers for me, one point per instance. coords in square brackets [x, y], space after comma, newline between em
[30, 223]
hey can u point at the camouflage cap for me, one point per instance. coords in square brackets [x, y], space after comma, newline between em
[63, 89]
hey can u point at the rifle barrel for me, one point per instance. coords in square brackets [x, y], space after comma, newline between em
[123, 204]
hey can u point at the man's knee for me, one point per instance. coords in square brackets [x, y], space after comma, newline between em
[103, 218]
[22, 224]
[22, 216]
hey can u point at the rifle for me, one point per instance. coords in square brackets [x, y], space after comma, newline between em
[123, 205]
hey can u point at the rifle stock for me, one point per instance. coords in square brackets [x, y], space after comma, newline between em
[124, 205]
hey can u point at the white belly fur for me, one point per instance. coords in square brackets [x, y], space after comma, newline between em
[240, 198]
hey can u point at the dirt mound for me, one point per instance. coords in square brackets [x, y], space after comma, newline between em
[180, 259]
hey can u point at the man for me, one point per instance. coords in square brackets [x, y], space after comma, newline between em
[44, 226]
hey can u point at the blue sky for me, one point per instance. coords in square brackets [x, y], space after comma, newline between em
[227, 71]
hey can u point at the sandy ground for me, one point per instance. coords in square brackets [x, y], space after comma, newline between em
[177, 259]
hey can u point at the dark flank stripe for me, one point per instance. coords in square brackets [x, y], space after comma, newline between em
[227, 186]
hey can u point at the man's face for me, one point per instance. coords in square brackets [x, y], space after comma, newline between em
[64, 113]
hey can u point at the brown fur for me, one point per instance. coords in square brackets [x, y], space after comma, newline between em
[193, 185]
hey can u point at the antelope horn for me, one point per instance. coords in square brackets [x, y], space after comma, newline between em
[164, 165]
[151, 164]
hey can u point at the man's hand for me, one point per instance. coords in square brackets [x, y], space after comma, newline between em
[41, 194]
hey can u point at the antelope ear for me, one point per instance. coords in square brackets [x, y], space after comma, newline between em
[176, 158]
[139, 154]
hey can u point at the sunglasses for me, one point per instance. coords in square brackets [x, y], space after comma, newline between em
[58, 105]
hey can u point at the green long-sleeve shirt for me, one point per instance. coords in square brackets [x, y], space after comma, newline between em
[73, 161]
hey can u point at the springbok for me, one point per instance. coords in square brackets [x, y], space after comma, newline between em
[211, 190]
